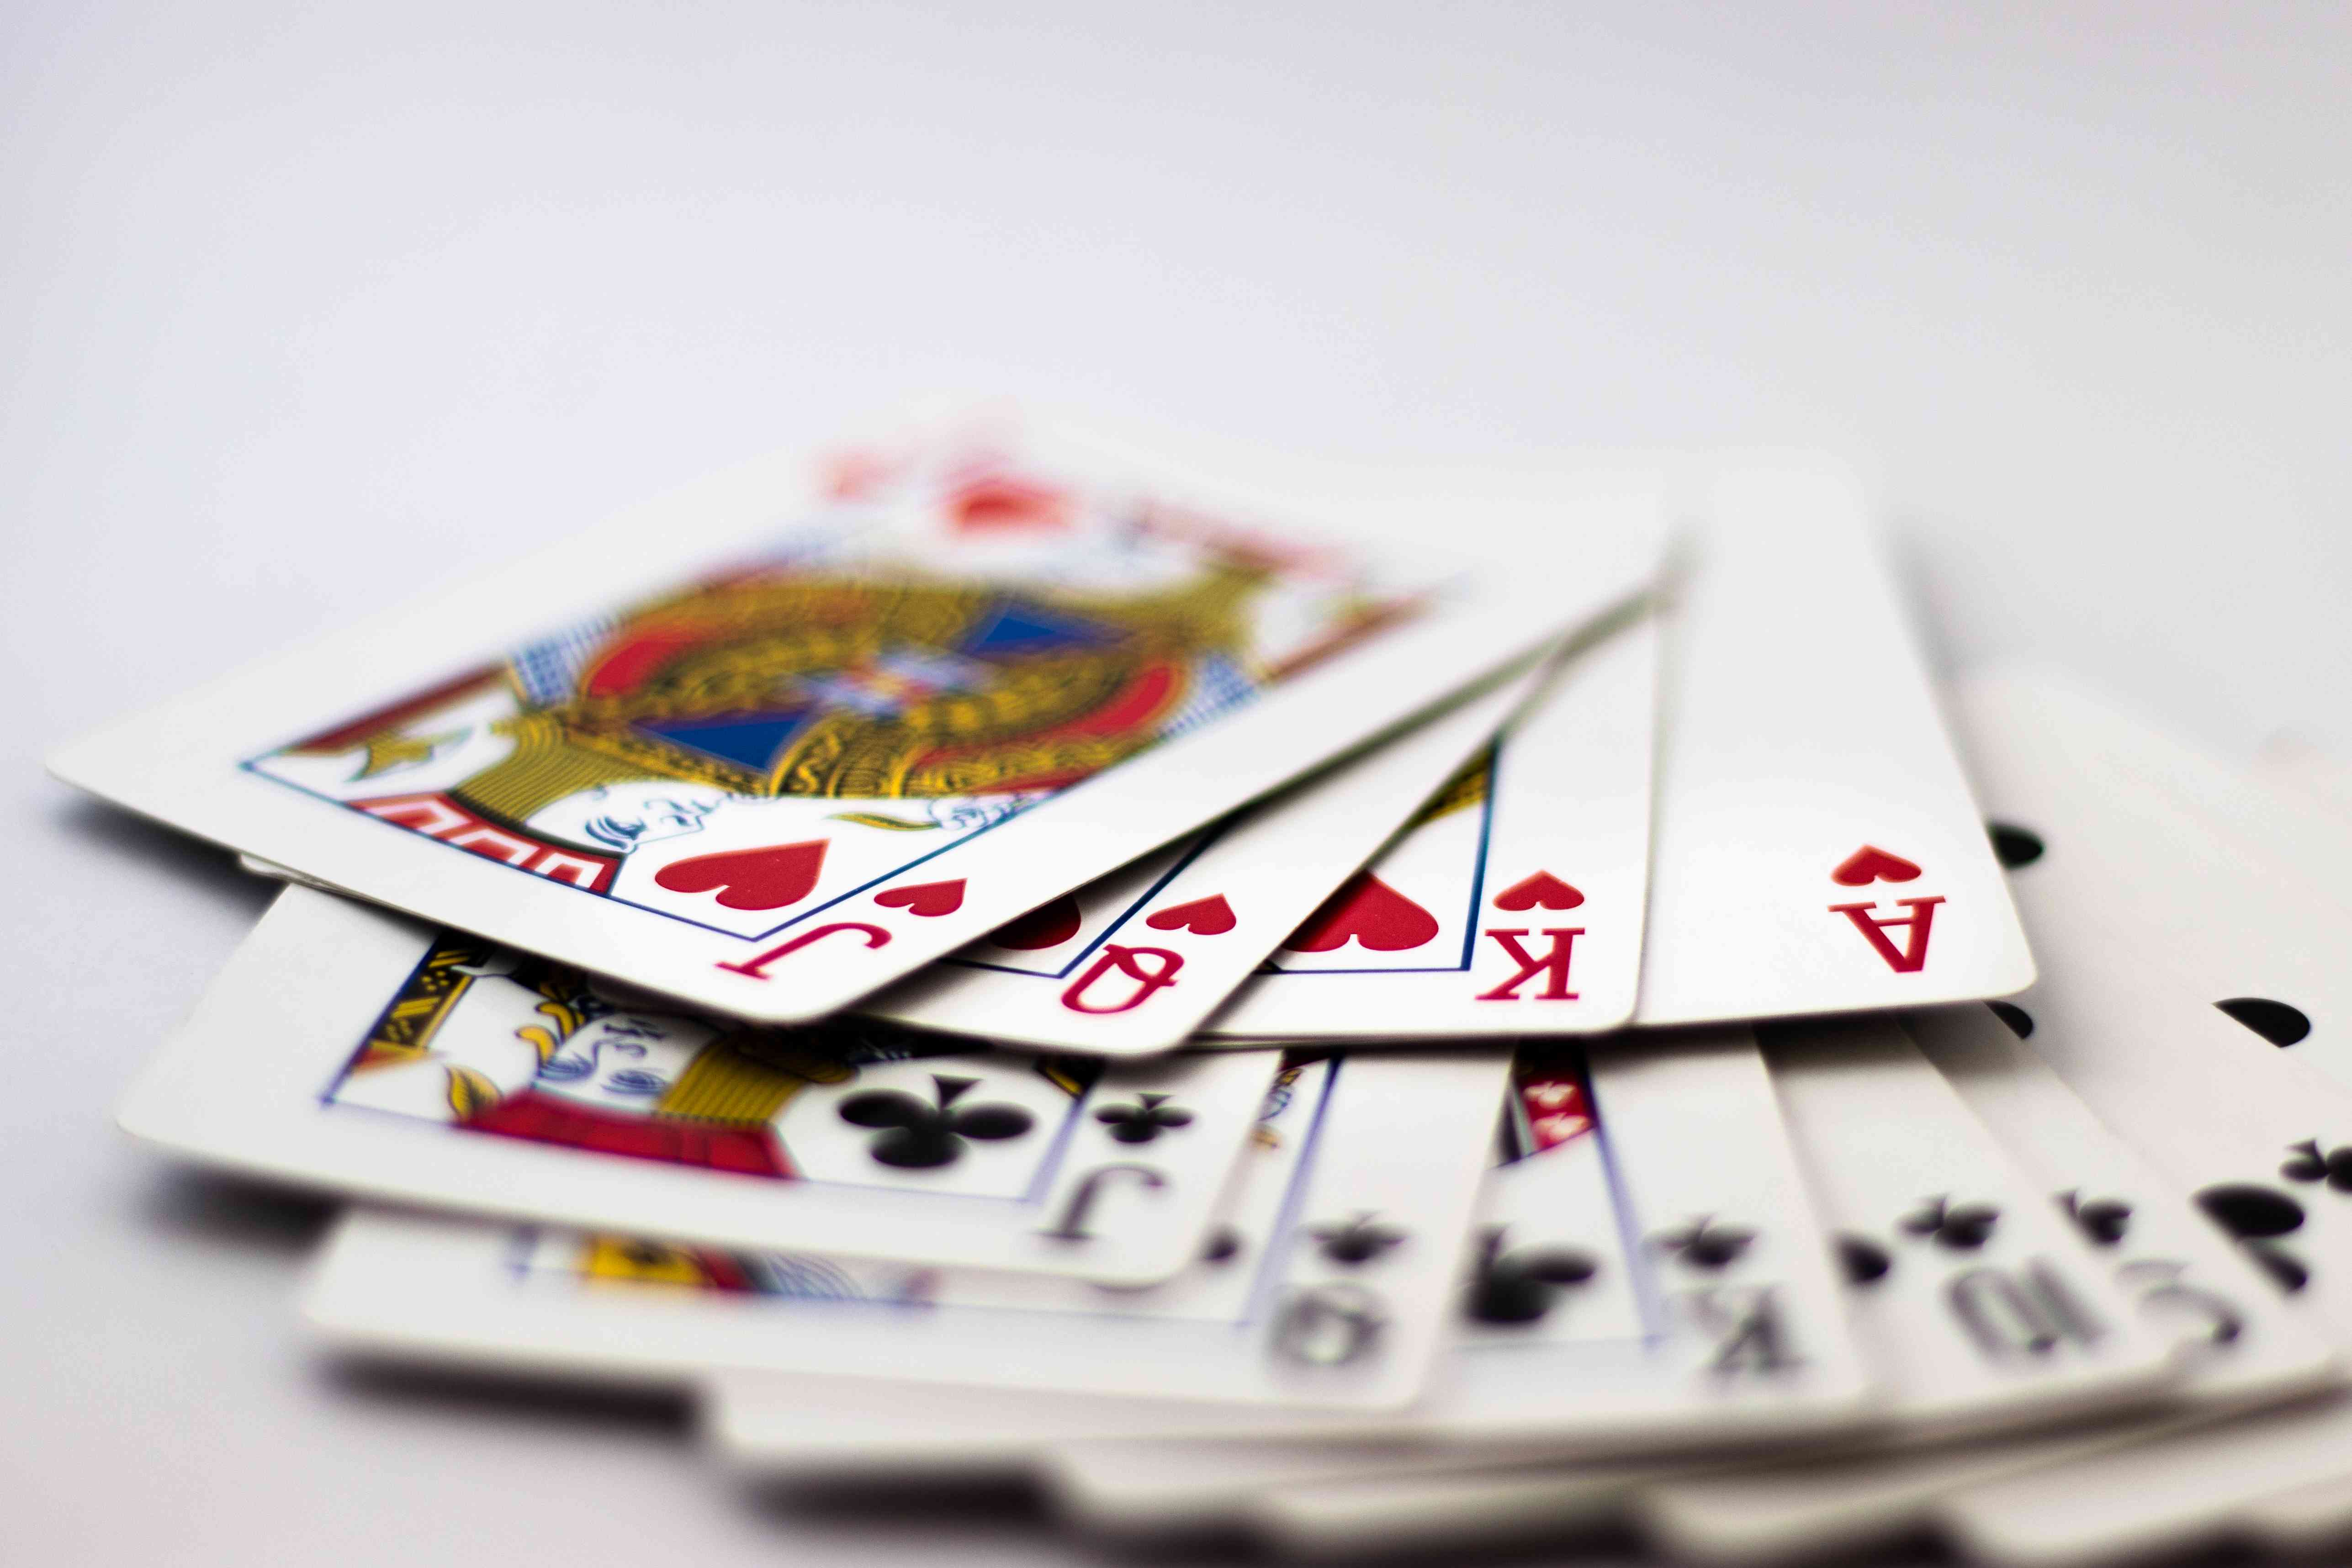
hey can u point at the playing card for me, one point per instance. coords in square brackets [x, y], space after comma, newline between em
[1432, 1512]
[1511, 903]
[780, 739]
[2288, 763]
[1978, 1305]
[2245, 1342]
[2279, 812]
[2241, 1339]
[2241, 1342]
[1315, 1288]
[1815, 848]
[2171, 954]
[2192, 1489]
[2196, 1004]
[353, 1049]
[1648, 1275]
[2309, 1519]
[1131, 963]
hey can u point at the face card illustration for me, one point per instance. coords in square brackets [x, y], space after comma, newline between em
[1301, 1295]
[778, 742]
[1979, 1304]
[1816, 850]
[1132, 967]
[349, 1048]
[1511, 903]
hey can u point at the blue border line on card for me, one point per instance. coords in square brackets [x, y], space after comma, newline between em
[1281, 1239]
[1629, 1225]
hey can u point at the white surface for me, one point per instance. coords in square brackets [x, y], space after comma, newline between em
[302, 312]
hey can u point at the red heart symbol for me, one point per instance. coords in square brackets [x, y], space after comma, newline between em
[750, 878]
[1870, 864]
[1372, 912]
[1544, 888]
[1210, 916]
[999, 502]
[1048, 925]
[925, 899]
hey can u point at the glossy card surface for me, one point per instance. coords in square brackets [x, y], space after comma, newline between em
[794, 732]
[357, 1051]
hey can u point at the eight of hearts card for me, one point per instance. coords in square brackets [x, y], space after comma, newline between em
[1645, 1272]
[356, 1050]
[1130, 964]
[1323, 1284]
[791, 735]
[1813, 848]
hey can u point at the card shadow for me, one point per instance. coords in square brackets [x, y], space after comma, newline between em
[184, 1203]
[133, 839]
[527, 1401]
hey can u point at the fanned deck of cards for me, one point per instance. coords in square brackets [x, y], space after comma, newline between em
[1376, 1007]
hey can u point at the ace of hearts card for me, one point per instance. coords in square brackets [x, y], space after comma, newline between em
[796, 731]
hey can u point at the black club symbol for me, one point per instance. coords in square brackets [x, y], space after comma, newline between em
[1963, 1227]
[2104, 1220]
[920, 1136]
[1146, 1120]
[1520, 1286]
[1358, 1240]
[2312, 1163]
[1704, 1244]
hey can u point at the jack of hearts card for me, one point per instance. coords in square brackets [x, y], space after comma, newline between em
[775, 742]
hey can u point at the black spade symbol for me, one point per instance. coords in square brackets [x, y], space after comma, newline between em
[2273, 1021]
[1224, 1245]
[1864, 1261]
[2012, 846]
[2020, 1021]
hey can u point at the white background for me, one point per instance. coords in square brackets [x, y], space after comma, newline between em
[303, 309]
